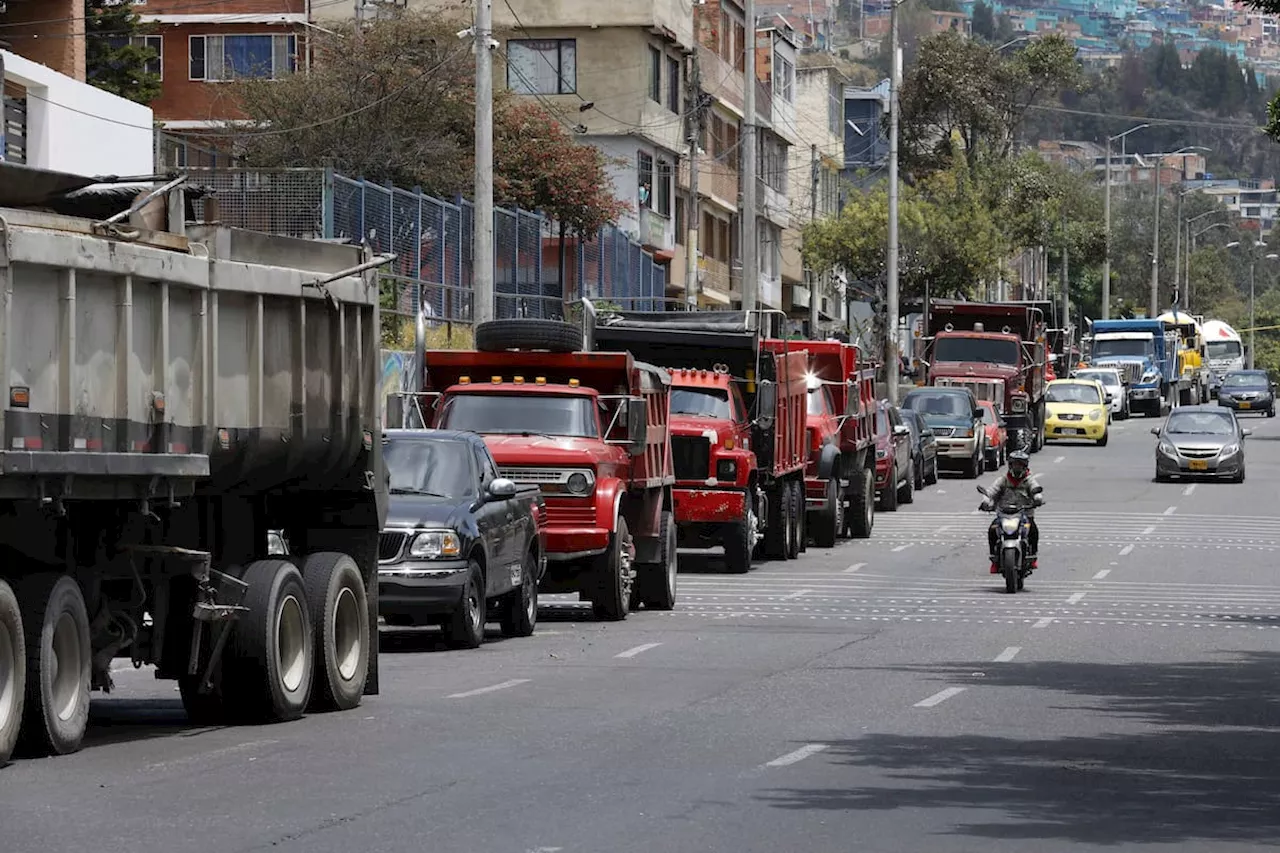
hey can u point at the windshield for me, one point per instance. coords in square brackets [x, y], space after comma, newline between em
[937, 403]
[526, 414]
[1122, 346]
[1072, 392]
[1204, 423]
[988, 415]
[709, 402]
[989, 350]
[820, 402]
[429, 466]
[1246, 380]
[1224, 349]
[882, 423]
[1106, 377]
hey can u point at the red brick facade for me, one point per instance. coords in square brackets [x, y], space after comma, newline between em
[50, 32]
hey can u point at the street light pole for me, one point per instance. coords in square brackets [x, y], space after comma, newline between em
[1106, 214]
[891, 250]
[1155, 237]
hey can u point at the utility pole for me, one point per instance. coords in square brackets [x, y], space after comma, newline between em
[693, 210]
[1106, 230]
[1177, 243]
[482, 285]
[1153, 307]
[1065, 281]
[814, 176]
[891, 363]
[750, 232]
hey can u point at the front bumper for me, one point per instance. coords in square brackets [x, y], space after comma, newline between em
[1258, 404]
[1085, 429]
[884, 467]
[1144, 392]
[431, 587]
[815, 493]
[1181, 466]
[956, 449]
[709, 506]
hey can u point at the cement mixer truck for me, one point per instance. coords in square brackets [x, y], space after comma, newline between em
[1225, 352]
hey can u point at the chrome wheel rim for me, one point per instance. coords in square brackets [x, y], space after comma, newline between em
[8, 675]
[530, 602]
[348, 639]
[67, 661]
[291, 643]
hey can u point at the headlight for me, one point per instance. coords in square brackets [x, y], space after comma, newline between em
[1009, 525]
[436, 545]
[1095, 415]
[1230, 450]
[1167, 448]
[727, 470]
[1151, 376]
[881, 454]
[579, 483]
[1019, 405]
[965, 433]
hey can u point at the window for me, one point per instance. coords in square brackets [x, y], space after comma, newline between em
[739, 55]
[773, 162]
[542, 66]
[707, 236]
[644, 168]
[680, 226]
[673, 84]
[155, 44]
[784, 79]
[835, 109]
[731, 152]
[655, 74]
[663, 188]
[219, 58]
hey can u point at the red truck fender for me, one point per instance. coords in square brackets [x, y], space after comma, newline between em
[609, 494]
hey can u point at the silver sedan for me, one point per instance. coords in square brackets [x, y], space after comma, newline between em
[1200, 441]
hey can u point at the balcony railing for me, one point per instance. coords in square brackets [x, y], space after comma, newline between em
[764, 102]
[718, 180]
[720, 79]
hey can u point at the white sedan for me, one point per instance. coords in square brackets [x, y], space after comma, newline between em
[1109, 378]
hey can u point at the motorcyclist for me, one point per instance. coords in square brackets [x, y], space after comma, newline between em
[1016, 481]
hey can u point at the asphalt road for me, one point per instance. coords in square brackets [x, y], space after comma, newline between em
[881, 696]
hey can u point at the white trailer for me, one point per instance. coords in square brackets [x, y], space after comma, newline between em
[1225, 350]
[169, 399]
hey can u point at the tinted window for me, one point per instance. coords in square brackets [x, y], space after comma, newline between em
[1106, 377]
[429, 466]
[989, 350]
[1072, 392]
[710, 402]
[1128, 346]
[1246, 380]
[528, 414]
[882, 422]
[1211, 423]
[937, 403]
[1224, 349]
[484, 464]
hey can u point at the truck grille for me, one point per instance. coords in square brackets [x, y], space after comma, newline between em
[944, 432]
[390, 543]
[692, 456]
[533, 476]
[571, 515]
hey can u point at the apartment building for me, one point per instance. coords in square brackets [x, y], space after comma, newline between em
[776, 135]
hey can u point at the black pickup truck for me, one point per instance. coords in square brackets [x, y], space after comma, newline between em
[461, 545]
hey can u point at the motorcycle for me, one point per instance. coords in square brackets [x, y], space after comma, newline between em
[1013, 528]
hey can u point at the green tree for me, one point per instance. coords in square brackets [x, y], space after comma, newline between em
[983, 23]
[115, 59]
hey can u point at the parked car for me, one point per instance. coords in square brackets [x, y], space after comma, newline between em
[953, 414]
[996, 434]
[461, 544]
[1200, 441]
[924, 449]
[1248, 391]
[1113, 383]
[893, 458]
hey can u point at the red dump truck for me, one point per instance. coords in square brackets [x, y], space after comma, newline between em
[840, 488]
[737, 424]
[998, 351]
[590, 430]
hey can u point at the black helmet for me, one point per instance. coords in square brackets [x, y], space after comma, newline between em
[1019, 464]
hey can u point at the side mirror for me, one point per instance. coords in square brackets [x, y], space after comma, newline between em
[502, 489]
[977, 413]
[982, 490]
[637, 415]
[1110, 397]
[1038, 501]
[1246, 432]
[766, 403]
[901, 430]
[1037, 489]
[1155, 430]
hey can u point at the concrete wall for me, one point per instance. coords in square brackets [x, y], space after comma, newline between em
[74, 127]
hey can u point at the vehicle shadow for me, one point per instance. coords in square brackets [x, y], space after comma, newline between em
[1204, 771]
[400, 640]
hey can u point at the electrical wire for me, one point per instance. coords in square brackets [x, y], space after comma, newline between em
[1222, 125]
[186, 6]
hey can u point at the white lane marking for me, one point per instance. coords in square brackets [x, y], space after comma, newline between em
[630, 653]
[798, 755]
[515, 682]
[1075, 598]
[903, 547]
[1188, 490]
[944, 528]
[1045, 622]
[545, 849]
[942, 491]
[854, 568]
[1059, 459]
[1171, 510]
[939, 697]
[1149, 530]
[799, 593]
[1008, 654]
[1126, 550]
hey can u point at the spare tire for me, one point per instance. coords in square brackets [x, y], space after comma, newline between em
[546, 335]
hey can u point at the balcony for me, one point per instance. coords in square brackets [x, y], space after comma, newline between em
[717, 181]
[784, 119]
[656, 230]
[717, 283]
[764, 103]
[720, 79]
[671, 18]
[772, 205]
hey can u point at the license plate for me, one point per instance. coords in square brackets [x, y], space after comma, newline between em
[1244, 405]
[1197, 465]
[1069, 431]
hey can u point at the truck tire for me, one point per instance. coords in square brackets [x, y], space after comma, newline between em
[612, 601]
[862, 504]
[738, 537]
[519, 616]
[268, 668]
[829, 520]
[13, 671]
[778, 527]
[340, 621]
[545, 335]
[56, 627]
[655, 584]
[795, 488]
[465, 628]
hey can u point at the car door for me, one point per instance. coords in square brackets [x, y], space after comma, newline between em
[901, 444]
[496, 521]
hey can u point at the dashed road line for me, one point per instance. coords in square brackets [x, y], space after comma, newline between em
[939, 697]
[630, 653]
[856, 567]
[1188, 490]
[1044, 622]
[1008, 654]
[515, 682]
[1126, 550]
[797, 755]
[1171, 510]
[903, 547]
[799, 593]
[1075, 598]
[1148, 531]
[1059, 459]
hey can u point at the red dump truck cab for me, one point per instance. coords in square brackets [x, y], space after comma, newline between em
[591, 431]
[738, 420]
[840, 439]
[998, 351]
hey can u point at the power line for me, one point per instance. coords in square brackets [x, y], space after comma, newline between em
[1150, 119]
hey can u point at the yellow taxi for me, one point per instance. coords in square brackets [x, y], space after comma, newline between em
[1076, 409]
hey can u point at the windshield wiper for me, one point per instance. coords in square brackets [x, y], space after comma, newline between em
[404, 491]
